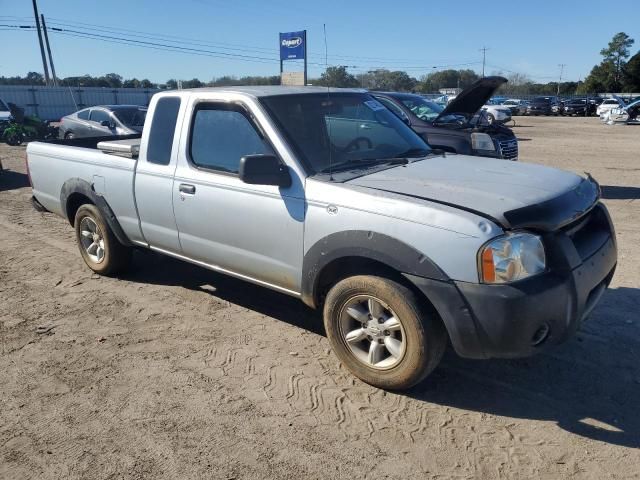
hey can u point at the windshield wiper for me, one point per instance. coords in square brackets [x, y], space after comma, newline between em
[365, 163]
[415, 152]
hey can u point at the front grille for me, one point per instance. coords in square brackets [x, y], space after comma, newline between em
[589, 232]
[509, 149]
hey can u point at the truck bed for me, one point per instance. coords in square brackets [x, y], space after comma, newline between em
[110, 176]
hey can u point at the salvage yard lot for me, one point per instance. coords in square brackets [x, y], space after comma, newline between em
[172, 371]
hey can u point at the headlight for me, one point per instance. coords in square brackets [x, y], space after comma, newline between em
[511, 257]
[482, 141]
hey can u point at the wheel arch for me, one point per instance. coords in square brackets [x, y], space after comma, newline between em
[359, 252]
[76, 192]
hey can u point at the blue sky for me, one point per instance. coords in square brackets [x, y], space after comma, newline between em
[525, 37]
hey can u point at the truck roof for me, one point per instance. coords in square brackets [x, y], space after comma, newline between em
[271, 90]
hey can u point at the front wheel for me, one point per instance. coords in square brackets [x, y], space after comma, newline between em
[383, 332]
[100, 249]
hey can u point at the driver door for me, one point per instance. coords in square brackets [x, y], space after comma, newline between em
[250, 231]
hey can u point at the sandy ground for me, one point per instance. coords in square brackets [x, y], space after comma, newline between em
[176, 372]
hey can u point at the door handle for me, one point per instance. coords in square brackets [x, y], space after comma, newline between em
[186, 188]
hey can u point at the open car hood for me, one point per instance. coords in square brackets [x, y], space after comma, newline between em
[472, 98]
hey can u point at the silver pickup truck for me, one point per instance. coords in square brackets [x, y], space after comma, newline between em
[327, 196]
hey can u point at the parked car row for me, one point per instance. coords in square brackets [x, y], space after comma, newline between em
[466, 125]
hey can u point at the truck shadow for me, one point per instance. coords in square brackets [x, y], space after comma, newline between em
[162, 270]
[589, 386]
[10, 180]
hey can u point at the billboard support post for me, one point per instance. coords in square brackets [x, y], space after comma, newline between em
[305, 56]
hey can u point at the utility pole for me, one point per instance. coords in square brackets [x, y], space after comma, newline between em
[561, 65]
[44, 60]
[46, 40]
[484, 58]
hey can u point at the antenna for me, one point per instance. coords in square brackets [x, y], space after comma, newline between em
[326, 66]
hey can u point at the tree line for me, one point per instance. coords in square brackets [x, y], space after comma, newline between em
[615, 73]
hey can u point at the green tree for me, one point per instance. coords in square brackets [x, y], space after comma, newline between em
[193, 83]
[34, 78]
[337, 77]
[599, 80]
[608, 75]
[617, 53]
[447, 79]
[383, 79]
[631, 74]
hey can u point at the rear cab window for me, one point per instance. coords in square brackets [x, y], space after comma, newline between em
[163, 129]
[83, 114]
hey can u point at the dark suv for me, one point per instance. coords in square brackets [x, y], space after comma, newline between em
[580, 106]
[543, 106]
[461, 126]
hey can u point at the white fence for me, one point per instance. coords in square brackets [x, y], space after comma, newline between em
[51, 103]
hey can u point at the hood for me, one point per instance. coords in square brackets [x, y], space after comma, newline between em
[512, 194]
[472, 98]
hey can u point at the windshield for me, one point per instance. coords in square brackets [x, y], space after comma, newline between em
[541, 100]
[422, 108]
[348, 128]
[131, 117]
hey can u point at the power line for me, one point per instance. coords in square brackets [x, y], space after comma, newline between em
[214, 53]
[222, 45]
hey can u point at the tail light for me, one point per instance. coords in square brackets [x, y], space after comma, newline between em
[26, 162]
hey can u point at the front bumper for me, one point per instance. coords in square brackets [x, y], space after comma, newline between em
[520, 319]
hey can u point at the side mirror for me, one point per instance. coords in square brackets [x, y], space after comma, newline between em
[108, 124]
[264, 170]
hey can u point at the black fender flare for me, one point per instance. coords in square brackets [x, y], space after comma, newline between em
[387, 250]
[78, 185]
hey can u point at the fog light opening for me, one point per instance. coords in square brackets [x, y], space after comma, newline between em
[541, 335]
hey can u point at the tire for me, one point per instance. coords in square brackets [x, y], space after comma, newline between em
[14, 140]
[108, 256]
[490, 118]
[69, 136]
[418, 339]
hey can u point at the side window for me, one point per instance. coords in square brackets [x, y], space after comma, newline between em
[163, 128]
[99, 116]
[83, 114]
[221, 136]
[393, 107]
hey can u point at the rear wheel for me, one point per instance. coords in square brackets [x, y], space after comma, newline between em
[383, 332]
[490, 118]
[100, 249]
